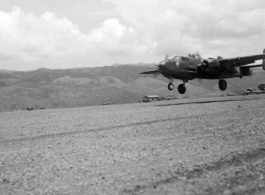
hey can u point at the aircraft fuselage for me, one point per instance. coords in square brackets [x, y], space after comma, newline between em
[185, 68]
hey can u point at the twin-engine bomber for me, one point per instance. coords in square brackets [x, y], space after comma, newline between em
[192, 67]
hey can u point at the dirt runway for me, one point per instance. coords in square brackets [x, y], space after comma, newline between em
[189, 146]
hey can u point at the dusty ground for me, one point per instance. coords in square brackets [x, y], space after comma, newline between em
[203, 146]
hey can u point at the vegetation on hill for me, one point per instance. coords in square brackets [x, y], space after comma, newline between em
[45, 88]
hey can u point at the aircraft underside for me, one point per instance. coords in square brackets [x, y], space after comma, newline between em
[182, 88]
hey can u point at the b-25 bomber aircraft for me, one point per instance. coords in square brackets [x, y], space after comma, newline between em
[190, 67]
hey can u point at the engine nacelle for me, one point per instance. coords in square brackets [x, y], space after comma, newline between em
[210, 66]
[245, 71]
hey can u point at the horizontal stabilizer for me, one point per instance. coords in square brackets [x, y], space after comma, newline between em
[150, 72]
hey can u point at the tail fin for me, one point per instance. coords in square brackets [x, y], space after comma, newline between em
[263, 61]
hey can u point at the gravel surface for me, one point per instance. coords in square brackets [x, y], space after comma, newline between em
[188, 146]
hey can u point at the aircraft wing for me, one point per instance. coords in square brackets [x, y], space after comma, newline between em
[150, 72]
[252, 66]
[240, 61]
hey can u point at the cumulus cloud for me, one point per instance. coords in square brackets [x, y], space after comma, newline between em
[115, 39]
[136, 31]
[187, 25]
[110, 27]
[27, 37]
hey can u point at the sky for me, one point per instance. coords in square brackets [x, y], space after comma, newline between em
[61, 34]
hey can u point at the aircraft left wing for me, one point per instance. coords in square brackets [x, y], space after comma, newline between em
[240, 61]
[252, 66]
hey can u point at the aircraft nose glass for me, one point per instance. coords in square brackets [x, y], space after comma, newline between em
[161, 66]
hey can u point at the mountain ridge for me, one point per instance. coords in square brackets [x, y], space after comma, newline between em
[61, 88]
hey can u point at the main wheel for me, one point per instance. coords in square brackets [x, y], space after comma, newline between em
[222, 85]
[182, 88]
[170, 86]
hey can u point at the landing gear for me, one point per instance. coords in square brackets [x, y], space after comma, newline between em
[222, 85]
[182, 88]
[170, 86]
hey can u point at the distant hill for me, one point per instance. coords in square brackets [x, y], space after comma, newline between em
[6, 71]
[46, 88]
[138, 64]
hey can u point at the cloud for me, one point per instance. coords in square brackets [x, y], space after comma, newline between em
[134, 31]
[187, 25]
[110, 27]
[26, 37]
[107, 38]
[115, 39]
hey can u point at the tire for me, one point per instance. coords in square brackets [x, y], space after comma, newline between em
[170, 86]
[182, 88]
[222, 85]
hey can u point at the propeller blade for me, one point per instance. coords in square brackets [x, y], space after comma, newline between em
[155, 72]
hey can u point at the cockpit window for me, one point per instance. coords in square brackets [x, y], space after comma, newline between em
[184, 58]
[181, 58]
[176, 58]
[162, 62]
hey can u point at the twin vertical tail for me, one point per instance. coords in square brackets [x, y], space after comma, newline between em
[263, 61]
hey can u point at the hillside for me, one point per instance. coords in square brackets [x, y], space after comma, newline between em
[46, 88]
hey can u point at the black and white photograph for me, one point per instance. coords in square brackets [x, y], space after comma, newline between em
[132, 97]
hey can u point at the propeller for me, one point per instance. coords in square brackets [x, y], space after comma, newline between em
[157, 71]
[198, 55]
